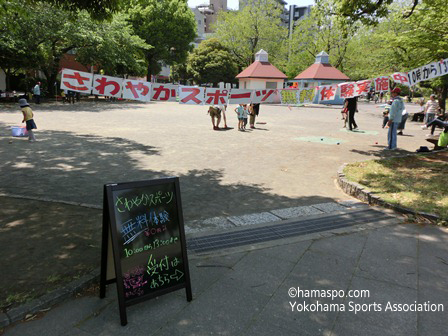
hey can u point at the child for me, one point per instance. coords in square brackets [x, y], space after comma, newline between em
[246, 112]
[240, 111]
[28, 118]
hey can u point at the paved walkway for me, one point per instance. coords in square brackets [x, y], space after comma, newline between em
[253, 290]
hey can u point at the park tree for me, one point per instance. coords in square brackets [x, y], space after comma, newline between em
[320, 31]
[257, 26]
[168, 26]
[41, 38]
[211, 62]
[98, 9]
[116, 50]
[401, 43]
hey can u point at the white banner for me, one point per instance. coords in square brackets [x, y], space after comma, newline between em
[191, 95]
[348, 90]
[307, 95]
[327, 92]
[164, 92]
[240, 96]
[215, 96]
[136, 90]
[76, 81]
[263, 96]
[107, 86]
[381, 84]
[289, 96]
[401, 77]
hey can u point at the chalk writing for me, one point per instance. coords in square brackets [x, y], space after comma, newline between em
[152, 246]
[133, 282]
[123, 204]
[161, 271]
[132, 228]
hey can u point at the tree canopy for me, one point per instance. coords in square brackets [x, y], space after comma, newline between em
[257, 26]
[168, 26]
[211, 62]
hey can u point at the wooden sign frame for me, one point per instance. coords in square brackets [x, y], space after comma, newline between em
[111, 268]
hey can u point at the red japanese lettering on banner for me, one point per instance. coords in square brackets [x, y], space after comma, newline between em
[400, 78]
[192, 96]
[79, 78]
[245, 95]
[163, 93]
[327, 93]
[103, 83]
[381, 84]
[217, 97]
[265, 93]
[140, 86]
[363, 86]
[347, 90]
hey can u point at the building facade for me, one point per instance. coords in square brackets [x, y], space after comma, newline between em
[297, 13]
[211, 12]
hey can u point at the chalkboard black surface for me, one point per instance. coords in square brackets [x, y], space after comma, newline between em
[145, 224]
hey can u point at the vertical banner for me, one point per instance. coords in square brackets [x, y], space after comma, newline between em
[348, 90]
[289, 96]
[401, 78]
[381, 84]
[107, 86]
[76, 81]
[327, 92]
[136, 90]
[191, 95]
[164, 92]
[215, 96]
[307, 95]
[263, 96]
[240, 96]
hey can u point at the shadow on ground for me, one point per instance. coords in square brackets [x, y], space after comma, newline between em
[69, 167]
[44, 245]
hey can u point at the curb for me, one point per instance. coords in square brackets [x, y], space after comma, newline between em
[362, 193]
[48, 300]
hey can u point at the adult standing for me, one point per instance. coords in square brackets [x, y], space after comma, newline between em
[351, 104]
[36, 93]
[431, 109]
[395, 117]
[255, 110]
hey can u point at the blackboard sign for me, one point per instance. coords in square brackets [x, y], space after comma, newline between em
[143, 226]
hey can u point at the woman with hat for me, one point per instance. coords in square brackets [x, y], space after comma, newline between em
[28, 118]
[395, 116]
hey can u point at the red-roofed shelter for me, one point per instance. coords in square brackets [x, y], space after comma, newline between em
[321, 73]
[261, 74]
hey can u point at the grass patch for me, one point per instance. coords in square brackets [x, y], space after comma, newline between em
[417, 182]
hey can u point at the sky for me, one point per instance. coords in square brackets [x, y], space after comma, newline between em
[233, 4]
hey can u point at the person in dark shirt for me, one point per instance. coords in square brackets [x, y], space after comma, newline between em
[352, 106]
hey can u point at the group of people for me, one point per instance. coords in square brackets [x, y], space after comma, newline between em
[243, 111]
[395, 119]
